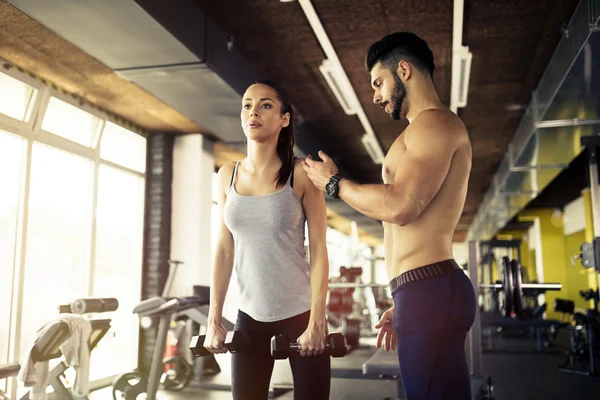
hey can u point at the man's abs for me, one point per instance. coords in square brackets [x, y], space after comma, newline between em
[428, 239]
[414, 248]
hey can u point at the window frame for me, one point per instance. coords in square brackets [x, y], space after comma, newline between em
[32, 132]
[22, 127]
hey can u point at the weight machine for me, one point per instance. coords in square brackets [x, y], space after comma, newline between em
[48, 347]
[584, 352]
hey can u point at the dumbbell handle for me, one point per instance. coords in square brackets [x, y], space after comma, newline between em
[298, 347]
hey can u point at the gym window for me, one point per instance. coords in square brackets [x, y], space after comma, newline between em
[17, 98]
[123, 147]
[71, 218]
[71, 123]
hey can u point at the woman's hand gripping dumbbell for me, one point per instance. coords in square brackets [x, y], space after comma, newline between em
[281, 346]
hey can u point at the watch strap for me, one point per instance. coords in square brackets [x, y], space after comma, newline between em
[335, 178]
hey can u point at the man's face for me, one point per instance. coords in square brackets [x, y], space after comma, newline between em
[390, 92]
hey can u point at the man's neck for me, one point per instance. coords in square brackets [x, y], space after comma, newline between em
[424, 98]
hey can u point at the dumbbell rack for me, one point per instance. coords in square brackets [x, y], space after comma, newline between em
[341, 307]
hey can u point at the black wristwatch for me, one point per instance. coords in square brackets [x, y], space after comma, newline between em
[332, 186]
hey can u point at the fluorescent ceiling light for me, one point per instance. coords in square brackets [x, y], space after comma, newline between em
[373, 148]
[465, 74]
[333, 80]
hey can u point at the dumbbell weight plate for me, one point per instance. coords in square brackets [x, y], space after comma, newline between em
[129, 386]
[517, 286]
[335, 301]
[337, 345]
[347, 303]
[236, 341]
[197, 346]
[508, 287]
[178, 373]
[351, 330]
[280, 347]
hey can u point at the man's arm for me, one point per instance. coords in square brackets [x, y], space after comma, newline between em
[419, 175]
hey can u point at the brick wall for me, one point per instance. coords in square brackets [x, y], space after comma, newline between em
[157, 230]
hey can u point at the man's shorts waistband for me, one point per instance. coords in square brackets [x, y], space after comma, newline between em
[425, 272]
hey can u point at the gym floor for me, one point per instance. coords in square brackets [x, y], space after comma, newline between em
[517, 371]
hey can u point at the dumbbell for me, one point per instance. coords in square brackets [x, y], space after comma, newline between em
[281, 346]
[235, 341]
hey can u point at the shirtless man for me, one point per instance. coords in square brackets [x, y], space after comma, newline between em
[425, 175]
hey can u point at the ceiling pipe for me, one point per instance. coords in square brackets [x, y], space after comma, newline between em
[369, 139]
[568, 68]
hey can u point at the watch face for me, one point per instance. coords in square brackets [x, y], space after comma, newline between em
[330, 188]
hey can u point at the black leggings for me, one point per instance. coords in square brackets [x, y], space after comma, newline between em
[251, 370]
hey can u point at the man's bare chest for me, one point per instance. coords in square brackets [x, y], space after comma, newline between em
[392, 160]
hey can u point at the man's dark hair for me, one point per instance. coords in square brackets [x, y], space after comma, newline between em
[400, 46]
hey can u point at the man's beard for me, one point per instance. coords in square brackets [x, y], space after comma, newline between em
[398, 97]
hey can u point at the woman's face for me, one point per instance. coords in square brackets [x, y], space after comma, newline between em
[261, 113]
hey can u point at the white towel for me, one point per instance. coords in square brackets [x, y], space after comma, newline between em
[75, 351]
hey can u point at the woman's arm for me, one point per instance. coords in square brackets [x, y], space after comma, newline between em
[223, 261]
[316, 218]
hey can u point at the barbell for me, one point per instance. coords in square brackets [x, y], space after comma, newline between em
[513, 287]
[498, 286]
[544, 287]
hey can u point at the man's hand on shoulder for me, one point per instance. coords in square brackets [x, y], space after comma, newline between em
[320, 172]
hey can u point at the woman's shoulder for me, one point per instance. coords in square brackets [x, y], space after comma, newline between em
[298, 163]
[225, 173]
[301, 177]
[226, 168]
[299, 171]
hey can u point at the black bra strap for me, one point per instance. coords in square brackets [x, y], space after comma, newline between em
[234, 173]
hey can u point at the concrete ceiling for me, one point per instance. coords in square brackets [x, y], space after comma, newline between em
[511, 41]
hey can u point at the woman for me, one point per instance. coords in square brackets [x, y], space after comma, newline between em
[265, 200]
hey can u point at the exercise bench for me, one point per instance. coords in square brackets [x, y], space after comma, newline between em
[384, 365]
